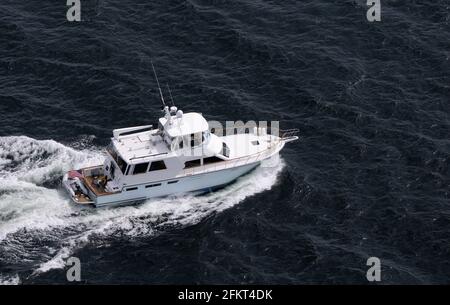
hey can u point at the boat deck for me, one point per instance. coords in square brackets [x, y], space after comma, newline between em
[97, 188]
[243, 145]
[82, 199]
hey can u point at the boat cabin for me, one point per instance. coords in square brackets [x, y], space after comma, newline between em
[143, 154]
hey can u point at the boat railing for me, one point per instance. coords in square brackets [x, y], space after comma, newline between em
[225, 164]
[238, 130]
[289, 133]
[282, 133]
[93, 171]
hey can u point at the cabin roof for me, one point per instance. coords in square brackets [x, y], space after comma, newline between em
[137, 147]
[141, 146]
[188, 123]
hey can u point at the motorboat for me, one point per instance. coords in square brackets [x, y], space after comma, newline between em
[183, 154]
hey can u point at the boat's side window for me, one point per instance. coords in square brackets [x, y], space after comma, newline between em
[200, 138]
[196, 139]
[210, 160]
[180, 142]
[140, 168]
[122, 164]
[192, 140]
[225, 150]
[157, 165]
[113, 168]
[205, 136]
[112, 151]
[132, 189]
[192, 163]
[173, 181]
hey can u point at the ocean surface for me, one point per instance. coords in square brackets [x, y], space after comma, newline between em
[369, 177]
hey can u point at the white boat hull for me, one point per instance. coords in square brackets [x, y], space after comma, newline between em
[191, 183]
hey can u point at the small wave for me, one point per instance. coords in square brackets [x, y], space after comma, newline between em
[9, 280]
[39, 225]
[37, 161]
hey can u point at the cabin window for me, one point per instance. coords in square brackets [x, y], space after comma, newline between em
[157, 165]
[192, 140]
[256, 142]
[180, 142]
[128, 170]
[132, 189]
[192, 163]
[200, 137]
[120, 162]
[225, 150]
[211, 160]
[140, 168]
[196, 139]
[113, 168]
[205, 136]
[111, 151]
[153, 185]
[173, 181]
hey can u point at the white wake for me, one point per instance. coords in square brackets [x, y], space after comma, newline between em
[39, 226]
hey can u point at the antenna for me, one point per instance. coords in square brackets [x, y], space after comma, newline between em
[157, 81]
[170, 92]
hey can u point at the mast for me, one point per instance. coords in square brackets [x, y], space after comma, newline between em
[159, 87]
[170, 92]
[166, 108]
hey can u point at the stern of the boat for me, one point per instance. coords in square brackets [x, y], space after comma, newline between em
[73, 183]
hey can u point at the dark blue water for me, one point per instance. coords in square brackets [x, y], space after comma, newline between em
[369, 177]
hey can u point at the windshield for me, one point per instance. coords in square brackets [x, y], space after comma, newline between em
[120, 162]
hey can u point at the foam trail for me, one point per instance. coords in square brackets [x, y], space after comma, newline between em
[9, 280]
[26, 164]
[39, 226]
